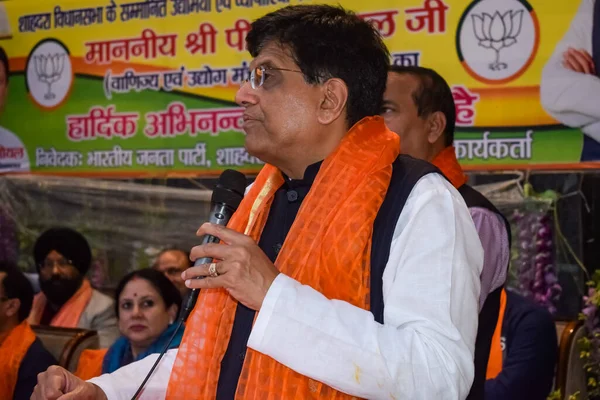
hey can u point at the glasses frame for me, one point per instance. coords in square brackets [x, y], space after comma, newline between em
[60, 264]
[262, 70]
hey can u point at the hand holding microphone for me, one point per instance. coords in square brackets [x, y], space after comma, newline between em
[243, 269]
[226, 198]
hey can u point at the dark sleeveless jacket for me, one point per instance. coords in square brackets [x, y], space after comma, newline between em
[406, 173]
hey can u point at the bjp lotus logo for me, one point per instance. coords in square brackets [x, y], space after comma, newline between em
[49, 74]
[497, 32]
[497, 40]
[49, 69]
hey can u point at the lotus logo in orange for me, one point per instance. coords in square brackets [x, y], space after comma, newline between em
[497, 40]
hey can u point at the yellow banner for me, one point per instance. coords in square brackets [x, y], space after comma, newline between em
[492, 53]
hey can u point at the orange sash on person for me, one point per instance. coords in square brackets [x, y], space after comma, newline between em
[90, 364]
[69, 314]
[12, 351]
[495, 362]
[328, 248]
[447, 163]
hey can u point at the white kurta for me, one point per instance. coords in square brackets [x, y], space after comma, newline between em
[425, 348]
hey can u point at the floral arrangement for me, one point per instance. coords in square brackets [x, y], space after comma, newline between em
[556, 395]
[590, 344]
[532, 262]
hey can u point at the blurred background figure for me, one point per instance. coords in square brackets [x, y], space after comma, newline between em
[4, 75]
[7, 138]
[22, 355]
[147, 305]
[171, 262]
[419, 107]
[67, 299]
[524, 351]
[570, 87]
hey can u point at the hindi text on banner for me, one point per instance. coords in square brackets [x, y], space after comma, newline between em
[148, 46]
[235, 157]
[102, 122]
[383, 21]
[35, 22]
[155, 157]
[432, 16]
[194, 157]
[515, 148]
[114, 158]
[407, 59]
[54, 158]
[177, 120]
[204, 42]
[464, 102]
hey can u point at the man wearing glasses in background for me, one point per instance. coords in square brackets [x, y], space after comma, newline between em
[67, 299]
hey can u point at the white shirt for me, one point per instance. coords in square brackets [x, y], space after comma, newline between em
[423, 351]
[571, 97]
[19, 164]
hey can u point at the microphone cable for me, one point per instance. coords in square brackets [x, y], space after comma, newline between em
[226, 197]
[160, 356]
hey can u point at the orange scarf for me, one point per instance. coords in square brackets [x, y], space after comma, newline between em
[69, 314]
[447, 163]
[90, 364]
[328, 247]
[495, 362]
[12, 351]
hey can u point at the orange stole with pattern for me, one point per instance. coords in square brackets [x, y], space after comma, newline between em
[69, 314]
[12, 351]
[90, 364]
[328, 248]
[447, 162]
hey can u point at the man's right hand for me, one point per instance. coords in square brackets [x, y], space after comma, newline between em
[59, 384]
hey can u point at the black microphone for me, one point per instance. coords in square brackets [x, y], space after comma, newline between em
[226, 198]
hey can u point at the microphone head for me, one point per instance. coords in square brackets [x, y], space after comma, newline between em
[230, 189]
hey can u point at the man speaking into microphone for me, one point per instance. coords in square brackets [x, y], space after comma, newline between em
[348, 271]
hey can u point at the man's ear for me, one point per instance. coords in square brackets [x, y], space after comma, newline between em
[436, 123]
[334, 96]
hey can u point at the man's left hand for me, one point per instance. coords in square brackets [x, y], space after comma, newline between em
[244, 270]
[579, 60]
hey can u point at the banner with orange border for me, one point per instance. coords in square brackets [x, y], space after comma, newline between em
[146, 87]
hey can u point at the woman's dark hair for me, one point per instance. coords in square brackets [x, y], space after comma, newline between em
[163, 286]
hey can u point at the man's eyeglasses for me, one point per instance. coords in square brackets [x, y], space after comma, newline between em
[257, 75]
[49, 264]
